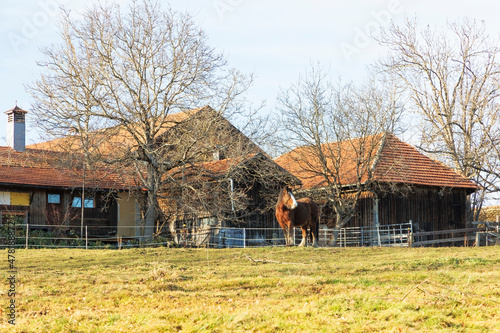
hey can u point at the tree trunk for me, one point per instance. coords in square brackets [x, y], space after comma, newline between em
[151, 202]
[336, 231]
[338, 226]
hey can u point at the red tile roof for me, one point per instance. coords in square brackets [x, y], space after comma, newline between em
[212, 170]
[114, 138]
[400, 162]
[41, 168]
[304, 162]
[391, 161]
[38, 165]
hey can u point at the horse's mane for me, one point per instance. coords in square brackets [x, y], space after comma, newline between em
[280, 197]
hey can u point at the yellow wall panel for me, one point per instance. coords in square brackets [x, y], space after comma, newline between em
[126, 216]
[19, 199]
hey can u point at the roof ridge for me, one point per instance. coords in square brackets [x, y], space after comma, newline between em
[379, 151]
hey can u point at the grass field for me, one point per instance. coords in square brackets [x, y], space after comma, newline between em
[255, 290]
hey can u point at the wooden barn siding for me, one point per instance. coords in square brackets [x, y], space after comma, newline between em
[432, 209]
[38, 207]
[104, 214]
[38, 201]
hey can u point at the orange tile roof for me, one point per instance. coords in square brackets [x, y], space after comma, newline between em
[40, 168]
[113, 138]
[220, 168]
[391, 161]
[400, 162]
[304, 162]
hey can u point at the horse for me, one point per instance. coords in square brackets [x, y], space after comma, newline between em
[302, 212]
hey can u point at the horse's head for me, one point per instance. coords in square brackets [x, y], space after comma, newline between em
[287, 198]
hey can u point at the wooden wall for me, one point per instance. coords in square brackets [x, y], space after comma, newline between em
[37, 207]
[103, 214]
[430, 209]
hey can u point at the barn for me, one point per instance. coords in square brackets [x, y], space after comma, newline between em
[404, 185]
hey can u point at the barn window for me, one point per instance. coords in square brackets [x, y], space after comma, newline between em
[88, 202]
[208, 221]
[53, 198]
[4, 198]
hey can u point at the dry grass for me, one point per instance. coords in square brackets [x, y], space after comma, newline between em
[256, 290]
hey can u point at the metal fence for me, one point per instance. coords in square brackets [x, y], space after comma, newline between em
[382, 235]
[43, 236]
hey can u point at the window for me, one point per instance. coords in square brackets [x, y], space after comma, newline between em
[208, 221]
[88, 203]
[4, 198]
[53, 198]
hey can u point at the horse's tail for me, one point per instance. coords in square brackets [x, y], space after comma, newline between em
[317, 227]
[315, 219]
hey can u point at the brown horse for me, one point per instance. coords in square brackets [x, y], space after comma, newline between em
[302, 213]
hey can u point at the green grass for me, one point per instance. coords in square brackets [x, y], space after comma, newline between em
[289, 290]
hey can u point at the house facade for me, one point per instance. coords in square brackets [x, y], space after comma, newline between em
[44, 188]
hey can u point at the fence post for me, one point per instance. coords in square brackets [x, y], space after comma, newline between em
[478, 239]
[27, 231]
[86, 238]
[209, 236]
[401, 234]
[498, 234]
[244, 237]
[378, 235]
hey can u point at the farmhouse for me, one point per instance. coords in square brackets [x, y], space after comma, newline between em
[45, 187]
[231, 182]
[402, 185]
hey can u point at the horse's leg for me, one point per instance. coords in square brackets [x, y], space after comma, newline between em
[288, 237]
[314, 233]
[315, 236]
[304, 236]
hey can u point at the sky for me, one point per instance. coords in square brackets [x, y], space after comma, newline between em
[274, 40]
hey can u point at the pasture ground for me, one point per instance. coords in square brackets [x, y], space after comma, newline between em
[255, 290]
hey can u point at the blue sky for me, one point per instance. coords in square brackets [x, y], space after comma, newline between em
[275, 40]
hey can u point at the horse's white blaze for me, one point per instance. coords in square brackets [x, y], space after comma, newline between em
[294, 202]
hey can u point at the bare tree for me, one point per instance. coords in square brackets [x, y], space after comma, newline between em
[129, 71]
[452, 80]
[233, 181]
[338, 130]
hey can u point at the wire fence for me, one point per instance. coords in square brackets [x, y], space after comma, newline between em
[43, 236]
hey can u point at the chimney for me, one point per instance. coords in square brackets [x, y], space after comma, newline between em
[16, 128]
